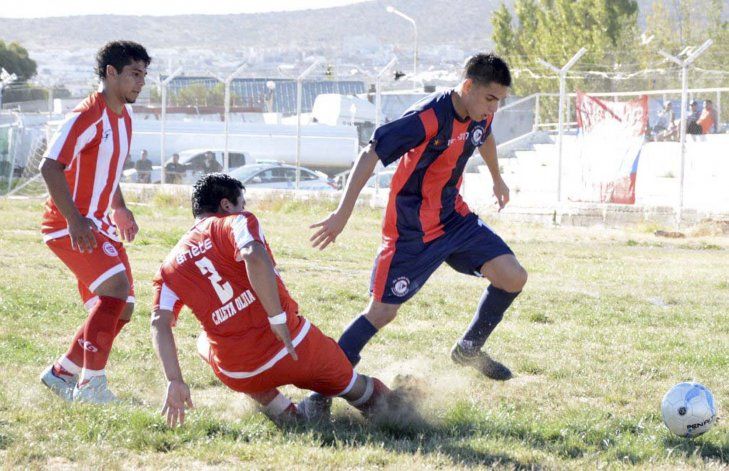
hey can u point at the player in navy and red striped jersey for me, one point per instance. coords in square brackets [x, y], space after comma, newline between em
[426, 221]
[82, 168]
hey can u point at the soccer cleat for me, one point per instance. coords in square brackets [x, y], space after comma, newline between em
[94, 391]
[315, 408]
[60, 385]
[481, 361]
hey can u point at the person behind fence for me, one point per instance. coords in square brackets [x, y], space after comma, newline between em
[82, 168]
[427, 222]
[174, 170]
[210, 165]
[253, 336]
[692, 125]
[144, 168]
[128, 162]
[665, 125]
[709, 120]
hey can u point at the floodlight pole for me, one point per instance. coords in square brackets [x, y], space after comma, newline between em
[684, 64]
[226, 116]
[299, 91]
[562, 92]
[163, 119]
[378, 109]
[391, 9]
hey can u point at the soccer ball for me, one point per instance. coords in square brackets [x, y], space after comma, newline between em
[688, 409]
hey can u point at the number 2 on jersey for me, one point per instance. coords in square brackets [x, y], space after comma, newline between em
[222, 288]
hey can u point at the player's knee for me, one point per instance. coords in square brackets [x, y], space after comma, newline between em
[512, 280]
[126, 314]
[380, 314]
[116, 287]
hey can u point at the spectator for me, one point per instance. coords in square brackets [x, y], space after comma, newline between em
[709, 120]
[128, 162]
[175, 170]
[692, 127]
[665, 128]
[210, 165]
[144, 168]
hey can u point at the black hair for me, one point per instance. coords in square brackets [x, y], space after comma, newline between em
[210, 190]
[118, 54]
[485, 68]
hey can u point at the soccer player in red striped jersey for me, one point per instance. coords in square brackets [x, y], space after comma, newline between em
[426, 220]
[86, 219]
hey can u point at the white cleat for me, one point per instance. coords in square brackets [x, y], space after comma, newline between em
[62, 386]
[94, 391]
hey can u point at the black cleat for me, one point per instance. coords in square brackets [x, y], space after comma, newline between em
[481, 361]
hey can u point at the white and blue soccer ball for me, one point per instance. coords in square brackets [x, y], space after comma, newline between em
[689, 409]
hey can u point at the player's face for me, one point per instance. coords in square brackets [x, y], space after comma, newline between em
[483, 100]
[129, 82]
[230, 207]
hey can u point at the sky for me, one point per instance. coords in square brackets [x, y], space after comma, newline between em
[46, 8]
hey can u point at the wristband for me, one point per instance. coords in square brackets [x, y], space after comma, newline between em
[278, 320]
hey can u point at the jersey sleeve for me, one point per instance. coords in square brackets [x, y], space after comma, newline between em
[166, 299]
[245, 229]
[392, 140]
[76, 132]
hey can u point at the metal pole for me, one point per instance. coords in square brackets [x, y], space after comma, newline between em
[562, 90]
[378, 112]
[299, 87]
[228, 81]
[537, 110]
[391, 9]
[684, 64]
[163, 117]
[717, 107]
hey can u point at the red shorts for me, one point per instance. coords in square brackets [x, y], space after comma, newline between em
[321, 367]
[92, 269]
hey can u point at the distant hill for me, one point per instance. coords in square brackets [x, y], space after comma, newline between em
[464, 22]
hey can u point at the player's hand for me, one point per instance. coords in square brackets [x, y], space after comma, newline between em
[328, 230]
[282, 332]
[176, 399]
[82, 235]
[501, 191]
[124, 220]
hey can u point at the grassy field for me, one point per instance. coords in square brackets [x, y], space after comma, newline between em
[608, 322]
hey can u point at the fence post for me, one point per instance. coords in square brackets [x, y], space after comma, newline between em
[299, 91]
[560, 126]
[684, 64]
[163, 120]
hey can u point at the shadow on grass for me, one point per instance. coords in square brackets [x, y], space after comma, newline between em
[698, 447]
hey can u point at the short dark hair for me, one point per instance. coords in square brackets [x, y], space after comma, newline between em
[210, 190]
[118, 54]
[485, 68]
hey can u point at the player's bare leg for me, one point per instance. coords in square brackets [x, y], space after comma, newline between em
[507, 278]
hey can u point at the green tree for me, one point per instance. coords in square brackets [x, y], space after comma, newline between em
[14, 58]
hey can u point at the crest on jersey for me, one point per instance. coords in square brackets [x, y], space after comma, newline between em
[401, 286]
[476, 136]
[109, 249]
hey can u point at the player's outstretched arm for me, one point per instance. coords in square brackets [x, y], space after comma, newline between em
[80, 229]
[123, 217]
[328, 229]
[177, 397]
[259, 268]
[490, 156]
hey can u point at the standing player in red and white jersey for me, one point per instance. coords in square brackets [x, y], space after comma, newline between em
[82, 168]
[253, 338]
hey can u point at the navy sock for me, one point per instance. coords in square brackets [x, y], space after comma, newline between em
[491, 308]
[355, 337]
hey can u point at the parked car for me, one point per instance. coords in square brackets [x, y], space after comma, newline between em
[282, 176]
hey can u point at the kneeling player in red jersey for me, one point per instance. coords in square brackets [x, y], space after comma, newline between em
[253, 338]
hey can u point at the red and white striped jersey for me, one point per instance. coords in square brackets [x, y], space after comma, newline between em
[92, 143]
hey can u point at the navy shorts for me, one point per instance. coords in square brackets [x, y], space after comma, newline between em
[402, 268]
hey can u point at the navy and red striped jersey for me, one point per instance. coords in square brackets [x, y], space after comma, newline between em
[435, 144]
